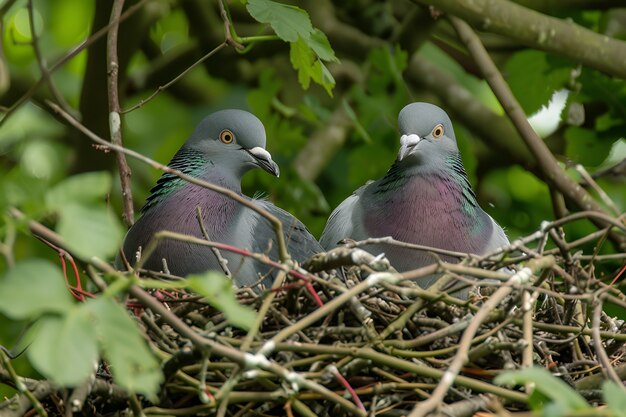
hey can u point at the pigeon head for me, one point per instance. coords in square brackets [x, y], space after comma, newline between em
[426, 134]
[233, 139]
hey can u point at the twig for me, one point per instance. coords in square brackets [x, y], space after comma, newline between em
[227, 28]
[593, 184]
[276, 223]
[19, 384]
[115, 122]
[527, 328]
[41, 61]
[220, 259]
[164, 87]
[603, 358]
[333, 369]
[6, 247]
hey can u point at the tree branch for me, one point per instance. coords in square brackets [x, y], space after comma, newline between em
[546, 161]
[539, 31]
[115, 121]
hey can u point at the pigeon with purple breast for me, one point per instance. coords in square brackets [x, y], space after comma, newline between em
[223, 147]
[425, 199]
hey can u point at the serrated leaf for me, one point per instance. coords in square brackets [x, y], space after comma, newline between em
[134, 366]
[82, 188]
[33, 287]
[323, 77]
[301, 57]
[547, 384]
[90, 230]
[218, 291]
[64, 348]
[289, 22]
[318, 42]
[615, 398]
[534, 76]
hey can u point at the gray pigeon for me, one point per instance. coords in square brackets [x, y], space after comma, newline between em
[425, 198]
[224, 146]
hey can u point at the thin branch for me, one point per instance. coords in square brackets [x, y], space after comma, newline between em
[115, 122]
[276, 223]
[21, 386]
[41, 61]
[603, 358]
[593, 184]
[547, 163]
[164, 87]
[227, 27]
[540, 31]
[220, 259]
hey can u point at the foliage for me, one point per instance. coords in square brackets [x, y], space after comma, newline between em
[554, 398]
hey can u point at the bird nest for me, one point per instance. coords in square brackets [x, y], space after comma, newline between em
[373, 341]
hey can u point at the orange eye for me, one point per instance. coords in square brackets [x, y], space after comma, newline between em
[438, 131]
[226, 136]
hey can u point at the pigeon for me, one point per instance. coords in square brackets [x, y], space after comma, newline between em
[425, 198]
[223, 147]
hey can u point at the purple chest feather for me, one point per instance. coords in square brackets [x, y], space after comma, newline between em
[431, 213]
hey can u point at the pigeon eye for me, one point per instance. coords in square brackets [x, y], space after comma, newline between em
[438, 131]
[226, 136]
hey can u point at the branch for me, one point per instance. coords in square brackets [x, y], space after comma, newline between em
[45, 74]
[539, 31]
[115, 122]
[547, 163]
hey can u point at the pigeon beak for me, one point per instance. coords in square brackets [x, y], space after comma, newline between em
[264, 160]
[407, 143]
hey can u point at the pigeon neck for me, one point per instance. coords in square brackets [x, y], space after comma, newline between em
[448, 170]
[194, 163]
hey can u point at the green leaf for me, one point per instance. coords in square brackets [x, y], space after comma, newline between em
[318, 42]
[310, 67]
[534, 76]
[302, 58]
[289, 22]
[218, 291]
[585, 147]
[89, 188]
[90, 230]
[133, 364]
[64, 349]
[615, 398]
[562, 395]
[33, 287]
[323, 77]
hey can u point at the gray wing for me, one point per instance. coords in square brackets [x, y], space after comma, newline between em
[497, 239]
[345, 221]
[301, 244]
